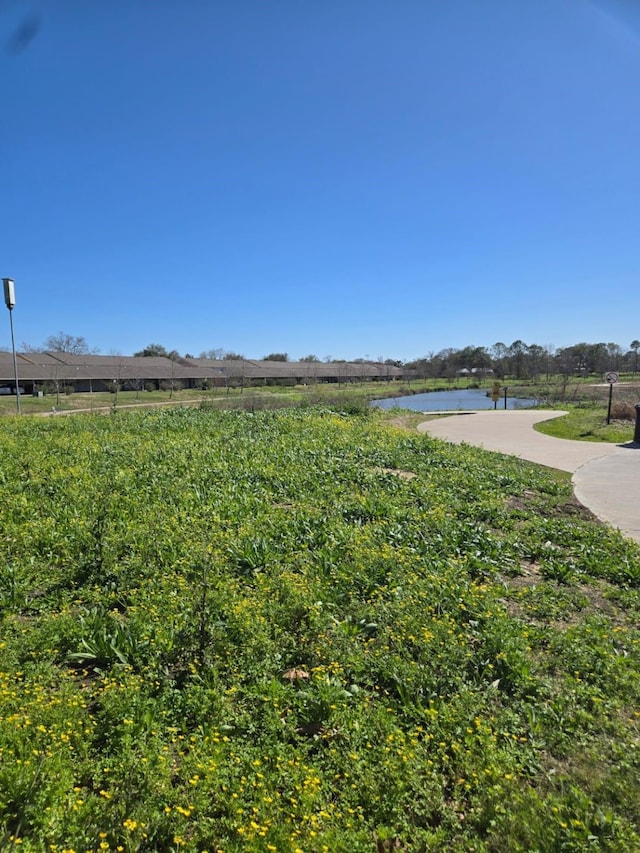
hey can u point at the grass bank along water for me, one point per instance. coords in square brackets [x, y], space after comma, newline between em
[256, 631]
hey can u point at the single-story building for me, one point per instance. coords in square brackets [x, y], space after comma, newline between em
[56, 371]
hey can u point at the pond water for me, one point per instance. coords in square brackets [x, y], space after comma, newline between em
[451, 401]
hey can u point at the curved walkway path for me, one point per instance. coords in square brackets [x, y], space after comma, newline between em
[606, 477]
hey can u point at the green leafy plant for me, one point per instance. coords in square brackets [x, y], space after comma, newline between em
[293, 647]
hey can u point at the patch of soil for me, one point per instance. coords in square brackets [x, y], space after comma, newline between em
[397, 472]
[521, 502]
[408, 422]
[572, 508]
[531, 575]
[575, 509]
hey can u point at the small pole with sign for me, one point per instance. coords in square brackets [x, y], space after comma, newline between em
[495, 394]
[611, 377]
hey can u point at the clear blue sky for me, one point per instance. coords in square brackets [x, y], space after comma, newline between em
[339, 177]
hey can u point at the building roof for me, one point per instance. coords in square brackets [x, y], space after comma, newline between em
[63, 366]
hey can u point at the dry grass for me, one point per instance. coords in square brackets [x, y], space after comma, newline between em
[623, 411]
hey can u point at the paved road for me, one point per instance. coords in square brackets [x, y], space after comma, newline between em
[606, 477]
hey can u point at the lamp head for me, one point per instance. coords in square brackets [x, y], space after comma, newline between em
[9, 293]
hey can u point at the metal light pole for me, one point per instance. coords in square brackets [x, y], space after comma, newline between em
[10, 301]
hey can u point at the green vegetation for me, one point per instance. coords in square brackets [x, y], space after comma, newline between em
[307, 631]
[220, 397]
[232, 397]
[588, 424]
[559, 391]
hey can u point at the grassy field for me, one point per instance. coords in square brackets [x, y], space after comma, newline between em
[588, 424]
[307, 631]
[220, 397]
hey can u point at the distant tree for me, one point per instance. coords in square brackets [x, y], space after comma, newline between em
[566, 361]
[472, 356]
[312, 358]
[444, 363]
[217, 354]
[593, 358]
[635, 346]
[549, 359]
[499, 353]
[580, 353]
[157, 350]
[235, 371]
[277, 356]
[602, 357]
[535, 360]
[233, 356]
[151, 350]
[64, 342]
[516, 353]
[614, 355]
[422, 366]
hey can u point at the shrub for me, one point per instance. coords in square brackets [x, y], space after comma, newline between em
[623, 411]
[171, 385]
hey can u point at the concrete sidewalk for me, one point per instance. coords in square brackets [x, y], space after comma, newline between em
[606, 477]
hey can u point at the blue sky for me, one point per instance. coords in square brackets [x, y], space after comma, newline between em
[340, 177]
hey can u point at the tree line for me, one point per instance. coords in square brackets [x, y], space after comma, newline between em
[530, 361]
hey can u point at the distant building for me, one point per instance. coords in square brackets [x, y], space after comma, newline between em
[475, 371]
[53, 371]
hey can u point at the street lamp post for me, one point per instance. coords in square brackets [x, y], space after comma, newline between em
[10, 301]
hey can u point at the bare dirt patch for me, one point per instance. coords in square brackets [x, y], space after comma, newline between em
[409, 421]
[397, 472]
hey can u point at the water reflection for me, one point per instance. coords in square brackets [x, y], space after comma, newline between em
[451, 401]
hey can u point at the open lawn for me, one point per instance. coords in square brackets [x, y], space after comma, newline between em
[588, 424]
[307, 631]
